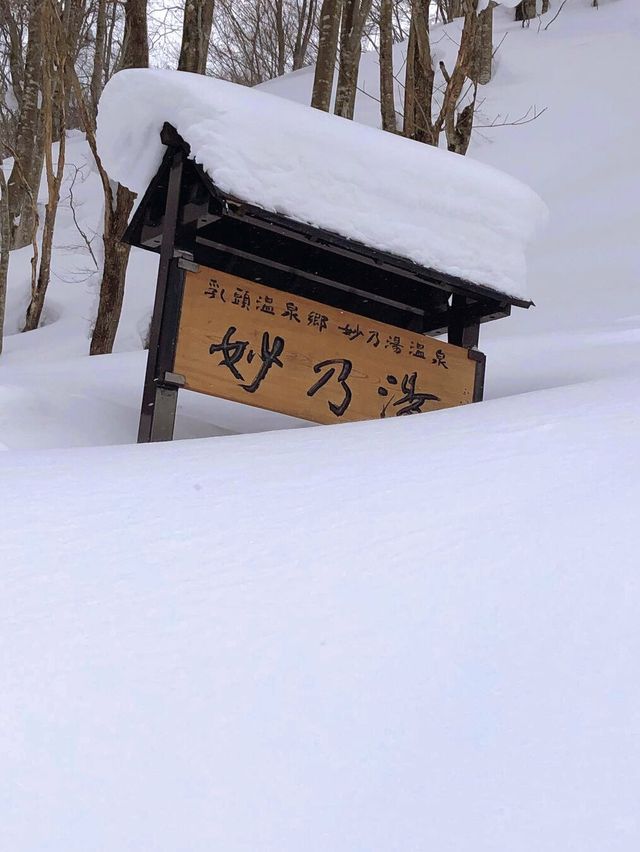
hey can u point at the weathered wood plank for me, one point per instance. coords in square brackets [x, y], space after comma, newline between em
[242, 341]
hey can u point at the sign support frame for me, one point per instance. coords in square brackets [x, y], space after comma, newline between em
[191, 223]
[161, 385]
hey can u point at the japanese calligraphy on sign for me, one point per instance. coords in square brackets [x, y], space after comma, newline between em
[246, 342]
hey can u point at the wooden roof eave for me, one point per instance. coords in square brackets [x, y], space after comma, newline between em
[222, 204]
[236, 208]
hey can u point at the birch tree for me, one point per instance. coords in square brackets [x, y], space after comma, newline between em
[387, 102]
[482, 62]
[52, 114]
[454, 117]
[24, 180]
[419, 78]
[354, 17]
[329, 29]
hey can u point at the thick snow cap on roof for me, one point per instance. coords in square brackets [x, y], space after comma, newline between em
[421, 203]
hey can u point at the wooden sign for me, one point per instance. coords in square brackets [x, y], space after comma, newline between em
[242, 341]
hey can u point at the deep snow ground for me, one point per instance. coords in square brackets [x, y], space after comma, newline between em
[425, 639]
[402, 635]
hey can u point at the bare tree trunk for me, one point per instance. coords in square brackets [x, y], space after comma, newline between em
[118, 204]
[66, 46]
[24, 180]
[54, 180]
[14, 44]
[135, 49]
[526, 10]
[5, 245]
[387, 102]
[481, 67]
[53, 101]
[97, 75]
[419, 78]
[306, 23]
[196, 33]
[458, 128]
[419, 122]
[109, 64]
[114, 271]
[354, 16]
[281, 44]
[327, 52]
[447, 10]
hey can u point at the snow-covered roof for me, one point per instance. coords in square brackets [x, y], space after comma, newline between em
[421, 203]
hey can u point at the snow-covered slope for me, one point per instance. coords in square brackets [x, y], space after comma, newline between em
[404, 635]
[579, 155]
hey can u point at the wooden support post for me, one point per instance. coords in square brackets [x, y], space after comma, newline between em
[159, 398]
[478, 387]
[463, 331]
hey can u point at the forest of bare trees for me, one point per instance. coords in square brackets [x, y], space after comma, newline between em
[57, 55]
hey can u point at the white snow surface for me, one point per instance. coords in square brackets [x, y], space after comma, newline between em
[416, 634]
[398, 636]
[438, 209]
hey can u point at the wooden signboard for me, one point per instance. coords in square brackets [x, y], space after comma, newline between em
[242, 341]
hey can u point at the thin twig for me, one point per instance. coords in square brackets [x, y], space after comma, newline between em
[499, 45]
[527, 118]
[556, 15]
[87, 241]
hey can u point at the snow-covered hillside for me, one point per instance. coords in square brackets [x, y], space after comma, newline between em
[405, 635]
